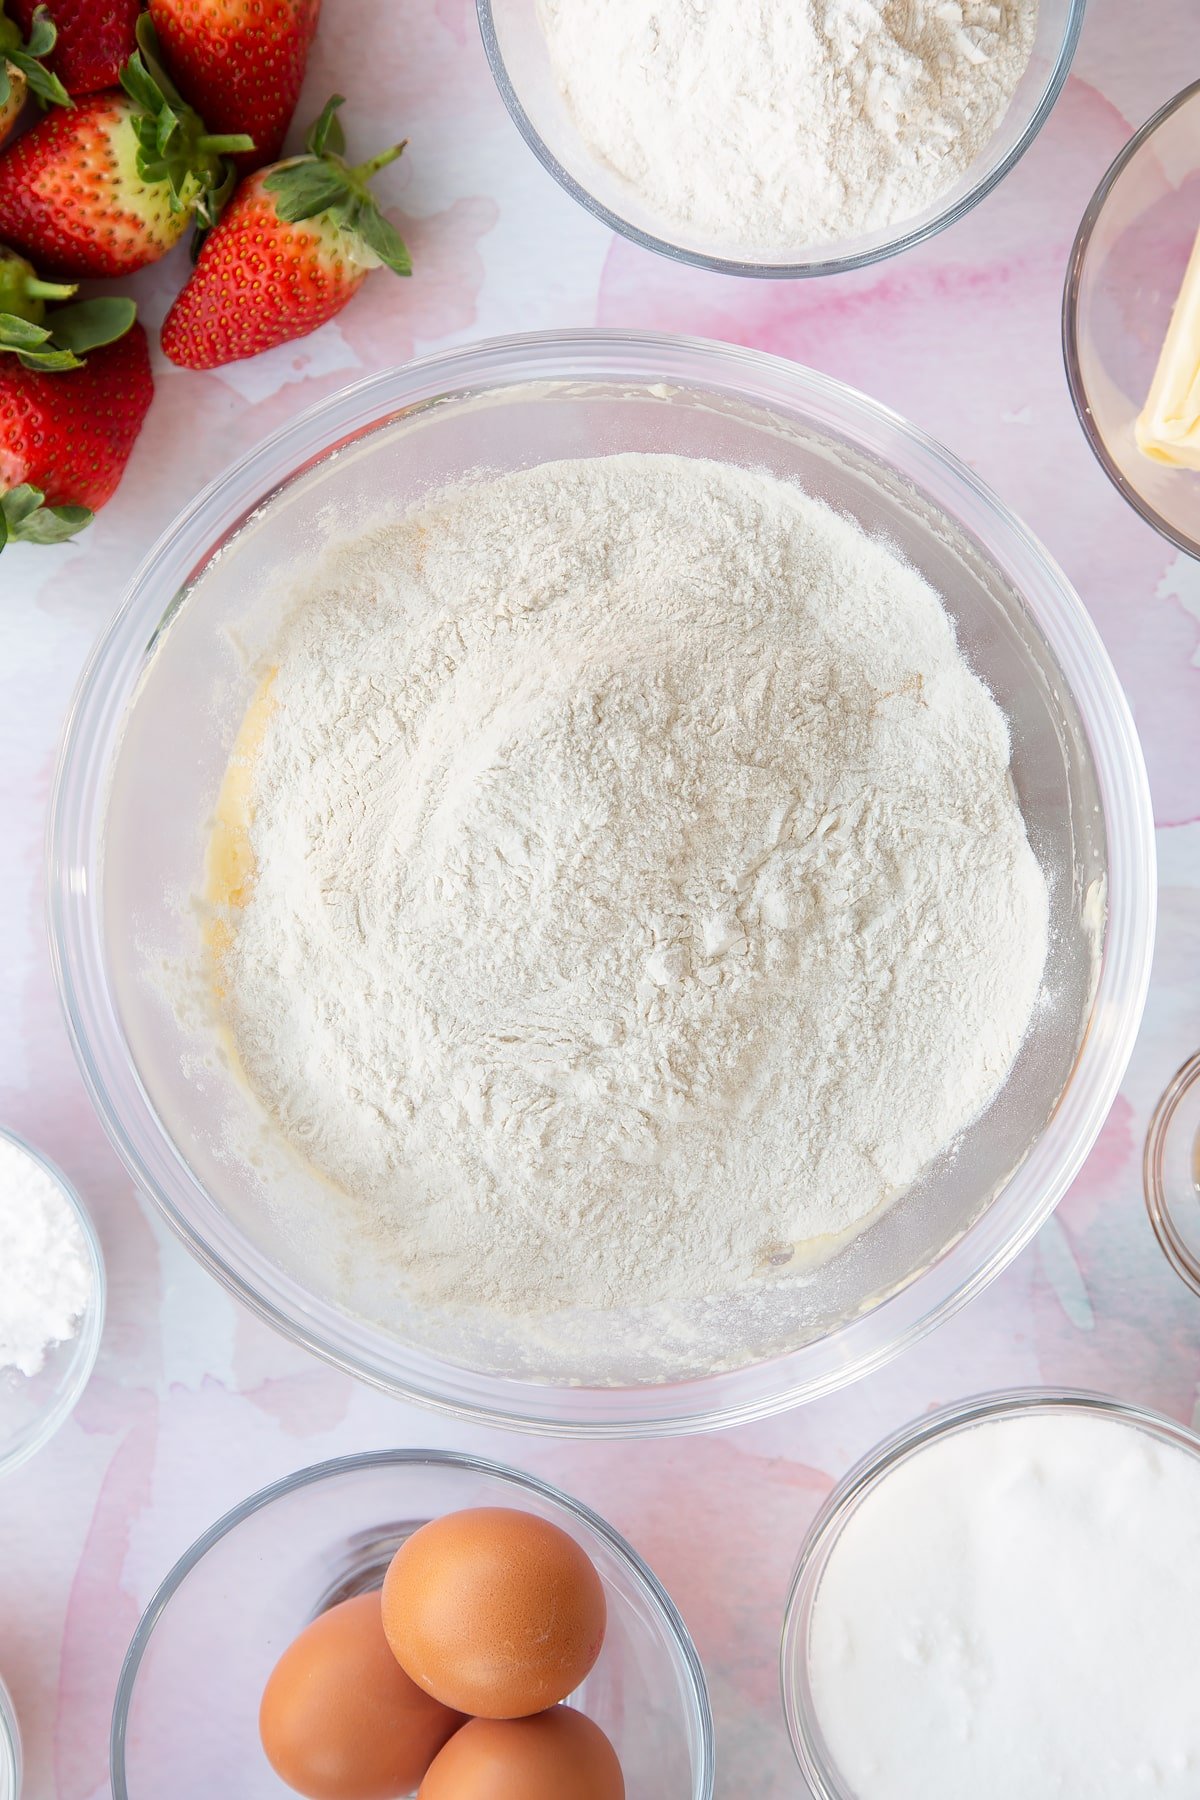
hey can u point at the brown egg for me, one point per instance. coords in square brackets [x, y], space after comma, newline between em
[494, 1612]
[555, 1755]
[340, 1720]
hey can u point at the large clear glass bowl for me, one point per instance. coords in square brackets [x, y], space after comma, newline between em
[33, 1407]
[1126, 267]
[822, 1777]
[185, 1720]
[147, 744]
[520, 62]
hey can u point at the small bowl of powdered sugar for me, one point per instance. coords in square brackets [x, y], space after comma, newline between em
[51, 1300]
[779, 137]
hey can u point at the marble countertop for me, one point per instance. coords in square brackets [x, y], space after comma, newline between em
[194, 1403]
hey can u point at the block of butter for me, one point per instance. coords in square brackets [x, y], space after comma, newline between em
[1168, 427]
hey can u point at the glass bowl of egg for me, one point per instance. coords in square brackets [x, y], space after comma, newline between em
[411, 1619]
[1131, 321]
[159, 722]
[553, 60]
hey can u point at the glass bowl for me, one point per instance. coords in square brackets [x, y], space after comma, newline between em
[185, 1719]
[32, 1407]
[520, 62]
[1171, 1172]
[816, 1762]
[1123, 279]
[147, 744]
[10, 1748]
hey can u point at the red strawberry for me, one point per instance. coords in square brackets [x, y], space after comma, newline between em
[111, 184]
[295, 243]
[23, 69]
[240, 62]
[67, 426]
[95, 39]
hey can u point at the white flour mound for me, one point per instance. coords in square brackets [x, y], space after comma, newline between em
[768, 125]
[640, 890]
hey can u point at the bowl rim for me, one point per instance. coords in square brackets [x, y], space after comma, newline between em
[11, 1762]
[1154, 1187]
[832, 264]
[86, 1343]
[1070, 323]
[823, 1779]
[569, 359]
[644, 1579]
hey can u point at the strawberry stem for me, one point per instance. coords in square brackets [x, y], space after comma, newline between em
[364, 171]
[48, 290]
[229, 145]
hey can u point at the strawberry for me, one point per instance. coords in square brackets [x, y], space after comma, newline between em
[67, 425]
[111, 184]
[295, 243]
[95, 39]
[240, 62]
[23, 70]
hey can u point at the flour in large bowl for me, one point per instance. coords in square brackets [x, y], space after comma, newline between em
[618, 893]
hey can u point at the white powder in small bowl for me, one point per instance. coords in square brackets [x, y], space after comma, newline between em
[764, 126]
[1015, 1610]
[45, 1270]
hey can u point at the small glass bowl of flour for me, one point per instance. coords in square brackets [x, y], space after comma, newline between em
[779, 137]
[51, 1300]
[1004, 1599]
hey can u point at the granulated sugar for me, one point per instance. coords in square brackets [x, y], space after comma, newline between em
[1015, 1610]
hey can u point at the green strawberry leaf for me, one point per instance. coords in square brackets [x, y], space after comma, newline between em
[172, 145]
[26, 519]
[383, 238]
[327, 133]
[150, 57]
[71, 332]
[33, 346]
[303, 189]
[90, 324]
[21, 334]
[45, 86]
[323, 184]
[50, 361]
[19, 502]
[43, 33]
[5, 81]
[141, 85]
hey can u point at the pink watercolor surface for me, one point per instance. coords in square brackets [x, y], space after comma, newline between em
[194, 1403]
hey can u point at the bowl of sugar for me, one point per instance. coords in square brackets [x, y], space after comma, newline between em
[51, 1300]
[602, 882]
[1003, 1599]
[778, 139]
